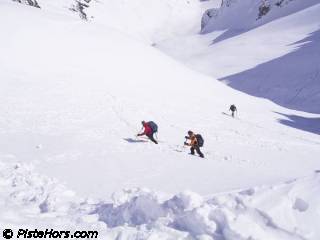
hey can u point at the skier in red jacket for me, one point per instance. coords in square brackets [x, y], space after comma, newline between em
[147, 131]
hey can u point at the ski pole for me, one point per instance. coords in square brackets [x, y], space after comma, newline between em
[156, 134]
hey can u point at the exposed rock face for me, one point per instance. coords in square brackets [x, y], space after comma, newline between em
[263, 9]
[210, 13]
[80, 6]
[32, 3]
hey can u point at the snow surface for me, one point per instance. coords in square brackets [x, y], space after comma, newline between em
[275, 57]
[285, 211]
[73, 94]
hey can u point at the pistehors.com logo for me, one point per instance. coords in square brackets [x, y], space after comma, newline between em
[47, 234]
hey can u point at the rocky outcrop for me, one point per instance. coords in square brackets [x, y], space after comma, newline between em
[79, 7]
[32, 3]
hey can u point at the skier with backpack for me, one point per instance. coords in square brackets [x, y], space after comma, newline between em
[233, 109]
[150, 128]
[195, 141]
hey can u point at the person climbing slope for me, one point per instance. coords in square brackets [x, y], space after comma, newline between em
[150, 128]
[233, 109]
[195, 141]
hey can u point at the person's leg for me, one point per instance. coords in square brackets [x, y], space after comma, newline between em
[232, 113]
[198, 151]
[192, 150]
[152, 138]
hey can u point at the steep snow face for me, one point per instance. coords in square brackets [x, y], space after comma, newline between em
[172, 26]
[277, 59]
[146, 20]
[291, 79]
[73, 105]
[246, 14]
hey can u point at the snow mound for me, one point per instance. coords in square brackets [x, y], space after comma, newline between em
[24, 187]
[285, 211]
[281, 212]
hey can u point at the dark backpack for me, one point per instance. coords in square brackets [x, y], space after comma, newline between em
[153, 126]
[200, 140]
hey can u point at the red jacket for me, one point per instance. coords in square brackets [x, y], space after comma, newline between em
[147, 129]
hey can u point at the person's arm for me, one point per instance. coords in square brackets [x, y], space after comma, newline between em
[193, 142]
[141, 134]
[186, 143]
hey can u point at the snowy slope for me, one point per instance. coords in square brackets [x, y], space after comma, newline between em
[72, 98]
[146, 20]
[236, 16]
[275, 57]
[82, 97]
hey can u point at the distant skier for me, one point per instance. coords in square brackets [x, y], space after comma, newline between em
[150, 128]
[233, 109]
[195, 141]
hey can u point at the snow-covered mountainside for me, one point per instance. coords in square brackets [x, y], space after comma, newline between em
[292, 79]
[239, 15]
[146, 20]
[73, 94]
[274, 55]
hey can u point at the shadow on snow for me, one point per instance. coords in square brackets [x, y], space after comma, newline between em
[303, 123]
[292, 81]
[229, 33]
[131, 140]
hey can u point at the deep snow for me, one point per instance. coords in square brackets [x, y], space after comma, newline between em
[285, 211]
[73, 94]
